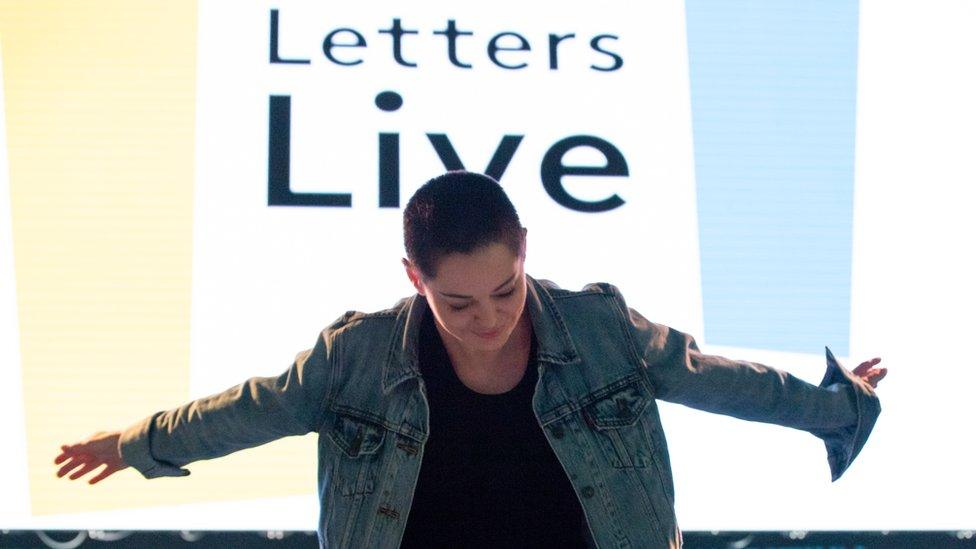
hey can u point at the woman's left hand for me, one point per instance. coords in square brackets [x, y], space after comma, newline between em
[867, 371]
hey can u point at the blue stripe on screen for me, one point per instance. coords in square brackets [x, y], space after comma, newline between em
[773, 89]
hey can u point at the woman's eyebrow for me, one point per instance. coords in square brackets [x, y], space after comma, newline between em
[499, 287]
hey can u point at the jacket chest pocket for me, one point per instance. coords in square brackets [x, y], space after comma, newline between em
[614, 416]
[359, 443]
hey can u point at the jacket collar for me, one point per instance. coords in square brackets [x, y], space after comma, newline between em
[553, 342]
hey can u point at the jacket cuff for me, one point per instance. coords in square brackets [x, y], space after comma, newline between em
[843, 445]
[134, 446]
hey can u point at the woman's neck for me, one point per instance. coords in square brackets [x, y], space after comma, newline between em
[497, 371]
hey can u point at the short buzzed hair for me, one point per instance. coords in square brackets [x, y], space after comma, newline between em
[458, 212]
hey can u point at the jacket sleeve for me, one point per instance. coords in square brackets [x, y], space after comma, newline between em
[255, 412]
[841, 411]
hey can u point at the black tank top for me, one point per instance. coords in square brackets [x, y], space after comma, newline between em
[488, 477]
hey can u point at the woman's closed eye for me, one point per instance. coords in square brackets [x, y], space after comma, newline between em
[463, 306]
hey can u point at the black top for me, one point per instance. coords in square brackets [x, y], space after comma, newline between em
[488, 477]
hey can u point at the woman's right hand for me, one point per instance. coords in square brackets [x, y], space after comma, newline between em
[86, 456]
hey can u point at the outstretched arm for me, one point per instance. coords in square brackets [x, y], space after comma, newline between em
[257, 411]
[841, 411]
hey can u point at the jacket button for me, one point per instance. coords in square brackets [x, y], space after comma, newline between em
[587, 492]
[558, 431]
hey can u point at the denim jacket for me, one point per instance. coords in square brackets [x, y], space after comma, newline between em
[602, 366]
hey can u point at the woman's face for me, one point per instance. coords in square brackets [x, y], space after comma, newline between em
[477, 298]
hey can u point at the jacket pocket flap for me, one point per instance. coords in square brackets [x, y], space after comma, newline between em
[356, 437]
[620, 408]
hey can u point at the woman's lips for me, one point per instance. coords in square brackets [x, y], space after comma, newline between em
[488, 335]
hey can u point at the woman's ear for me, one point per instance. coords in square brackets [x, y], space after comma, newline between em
[413, 273]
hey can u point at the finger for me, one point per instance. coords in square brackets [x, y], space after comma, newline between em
[101, 476]
[89, 467]
[880, 374]
[67, 451]
[875, 376]
[863, 367]
[72, 464]
[68, 467]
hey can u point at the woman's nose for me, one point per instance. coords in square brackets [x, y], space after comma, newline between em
[486, 315]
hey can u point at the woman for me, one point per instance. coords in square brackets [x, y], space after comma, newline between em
[489, 409]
